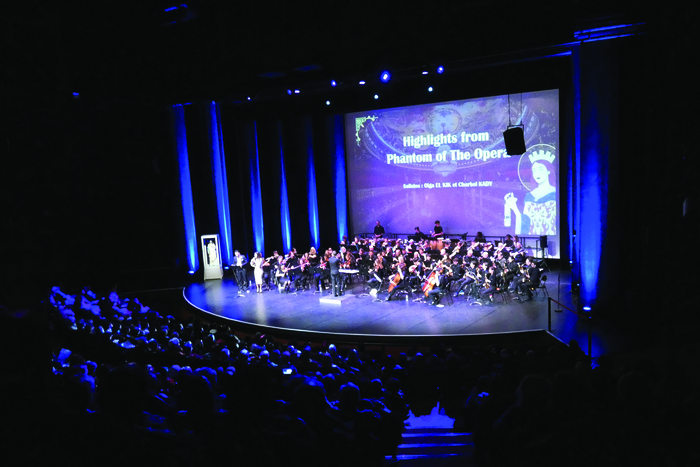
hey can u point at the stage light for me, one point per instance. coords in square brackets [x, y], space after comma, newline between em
[289, 91]
[385, 77]
[334, 83]
[430, 89]
[440, 69]
[76, 95]
[296, 91]
[248, 97]
[586, 308]
[328, 102]
[376, 96]
[362, 82]
[425, 73]
[190, 272]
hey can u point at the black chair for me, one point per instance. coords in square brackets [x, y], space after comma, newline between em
[542, 286]
[444, 294]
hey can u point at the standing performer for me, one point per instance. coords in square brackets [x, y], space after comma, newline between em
[257, 263]
[239, 272]
[438, 232]
[334, 266]
[378, 231]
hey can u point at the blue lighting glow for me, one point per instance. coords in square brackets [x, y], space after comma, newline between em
[328, 102]
[430, 89]
[311, 188]
[385, 77]
[339, 170]
[586, 308]
[284, 198]
[289, 91]
[362, 82]
[440, 69]
[218, 165]
[334, 83]
[296, 91]
[424, 73]
[178, 113]
[256, 195]
[376, 96]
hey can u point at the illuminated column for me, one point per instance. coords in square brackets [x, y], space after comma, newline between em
[284, 198]
[339, 171]
[218, 164]
[178, 114]
[311, 170]
[256, 195]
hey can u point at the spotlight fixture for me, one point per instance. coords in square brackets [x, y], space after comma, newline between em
[362, 82]
[430, 89]
[334, 83]
[440, 69]
[289, 91]
[376, 96]
[385, 77]
[328, 102]
[424, 73]
[296, 91]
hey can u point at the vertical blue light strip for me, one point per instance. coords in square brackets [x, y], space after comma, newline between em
[313, 198]
[284, 198]
[218, 164]
[178, 112]
[339, 169]
[575, 168]
[256, 196]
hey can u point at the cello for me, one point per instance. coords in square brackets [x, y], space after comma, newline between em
[396, 279]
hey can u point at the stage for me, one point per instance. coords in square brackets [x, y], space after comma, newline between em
[363, 316]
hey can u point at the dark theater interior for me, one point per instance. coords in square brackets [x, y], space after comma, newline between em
[330, 233]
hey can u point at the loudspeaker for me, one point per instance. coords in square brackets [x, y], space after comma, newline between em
[515, 141]
[543, 242]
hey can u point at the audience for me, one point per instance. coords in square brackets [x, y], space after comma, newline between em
[127, 383]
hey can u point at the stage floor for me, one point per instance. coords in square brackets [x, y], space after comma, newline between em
[365, 316]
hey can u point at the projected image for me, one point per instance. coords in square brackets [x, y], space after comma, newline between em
[447, 161]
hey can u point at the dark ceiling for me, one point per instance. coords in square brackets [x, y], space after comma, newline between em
[218, 49]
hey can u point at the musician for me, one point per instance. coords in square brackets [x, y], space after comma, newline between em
[321, 274]
[334, 266]
[438, 232]
[509, 242]
[512, 269]
[379, 230]
[490, 285]
[418, 235]
[257, 263]
[468, 278]
[302, 279]
[402, 284]
[239, 272]
[313, 257]
[375, 277]
[531, 279]
[480, 238]
[441, 287]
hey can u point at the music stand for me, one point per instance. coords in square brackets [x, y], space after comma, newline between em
[543, 246]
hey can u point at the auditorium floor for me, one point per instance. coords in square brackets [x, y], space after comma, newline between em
[358, 314]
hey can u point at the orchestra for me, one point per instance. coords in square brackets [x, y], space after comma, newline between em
[427, 266]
